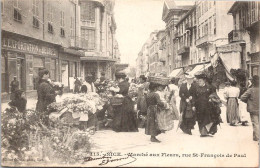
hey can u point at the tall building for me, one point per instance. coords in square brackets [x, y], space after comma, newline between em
[185, 38]
[68, 37]
[213, 26]
[156, 61]
[144, 55]
[171, 15]
[35, 34]
[244, 38]
[97, 37]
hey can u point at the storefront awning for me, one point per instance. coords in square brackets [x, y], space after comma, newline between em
[97, 59]
[199, 68]
[176, 72]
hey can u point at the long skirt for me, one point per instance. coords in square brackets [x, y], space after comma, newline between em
[125, 119]
[233, 116]
[187, 123]
[174, 109]
[244, 115]
[152, 127]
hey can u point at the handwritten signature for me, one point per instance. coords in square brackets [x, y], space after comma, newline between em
[108, 159]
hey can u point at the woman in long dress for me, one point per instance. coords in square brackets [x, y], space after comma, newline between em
[46, 95]
[153, 102]
[172, 99]
[232, 94]
[125, 119]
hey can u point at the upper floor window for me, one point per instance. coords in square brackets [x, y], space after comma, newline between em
[35, 11]
[50, 17]
[87, 10]
[62, 23]
[50, 12]
[72, 27]
[2, 7]
[17, 11]
[89, 36]
[35, 8]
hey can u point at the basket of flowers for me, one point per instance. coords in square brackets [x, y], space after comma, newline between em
[159, 80]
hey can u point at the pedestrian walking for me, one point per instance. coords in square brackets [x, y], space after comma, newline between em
[244, 115]
[14, 87]
[153, 102]
[232, 112]
[187, 105]
[174, 90]
[251, 97]
[203, 107]
[141, 100]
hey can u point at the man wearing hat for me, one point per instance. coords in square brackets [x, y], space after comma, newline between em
[202, 104]
[141, 98]
[14, 87]
[89, 84]
[102, 78]
[187, 108]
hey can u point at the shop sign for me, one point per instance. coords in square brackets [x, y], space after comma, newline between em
[28, 47]
[230, 48]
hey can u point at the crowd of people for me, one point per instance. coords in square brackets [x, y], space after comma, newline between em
[154, 106]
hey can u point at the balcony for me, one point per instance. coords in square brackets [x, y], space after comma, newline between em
[177, 34]
[183, 50]
[235, 35]
[188, 26]
[205, 40]
[78, 43]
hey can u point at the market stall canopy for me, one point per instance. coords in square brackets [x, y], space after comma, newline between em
[199, 68]
[176, 72]
[234, 64]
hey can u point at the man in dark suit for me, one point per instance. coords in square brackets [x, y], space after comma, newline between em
[187, 106]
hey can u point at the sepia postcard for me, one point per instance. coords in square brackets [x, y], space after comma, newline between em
[130, 83]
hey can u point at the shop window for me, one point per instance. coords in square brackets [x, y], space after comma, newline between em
[62, 32]
[3, 74]
[35, 22]
[50, 28]
[53, 69]
[37, 63]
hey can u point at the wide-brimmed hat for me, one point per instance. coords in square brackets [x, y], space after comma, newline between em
[201, 76]
[120, 75]
[189, 76]
[142, 77]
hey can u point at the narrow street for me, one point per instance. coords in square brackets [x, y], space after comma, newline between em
[235, 140]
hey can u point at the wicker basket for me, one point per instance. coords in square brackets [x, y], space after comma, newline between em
[116, 101]
[159, 80]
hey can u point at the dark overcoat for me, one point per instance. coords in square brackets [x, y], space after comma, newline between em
[46, 96]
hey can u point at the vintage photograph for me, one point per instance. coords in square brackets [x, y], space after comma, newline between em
[130, 83]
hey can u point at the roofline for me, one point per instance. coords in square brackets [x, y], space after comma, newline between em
[186, 15]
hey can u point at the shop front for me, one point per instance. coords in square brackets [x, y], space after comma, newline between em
[69, 67]
[96, 65]
[22, 57]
